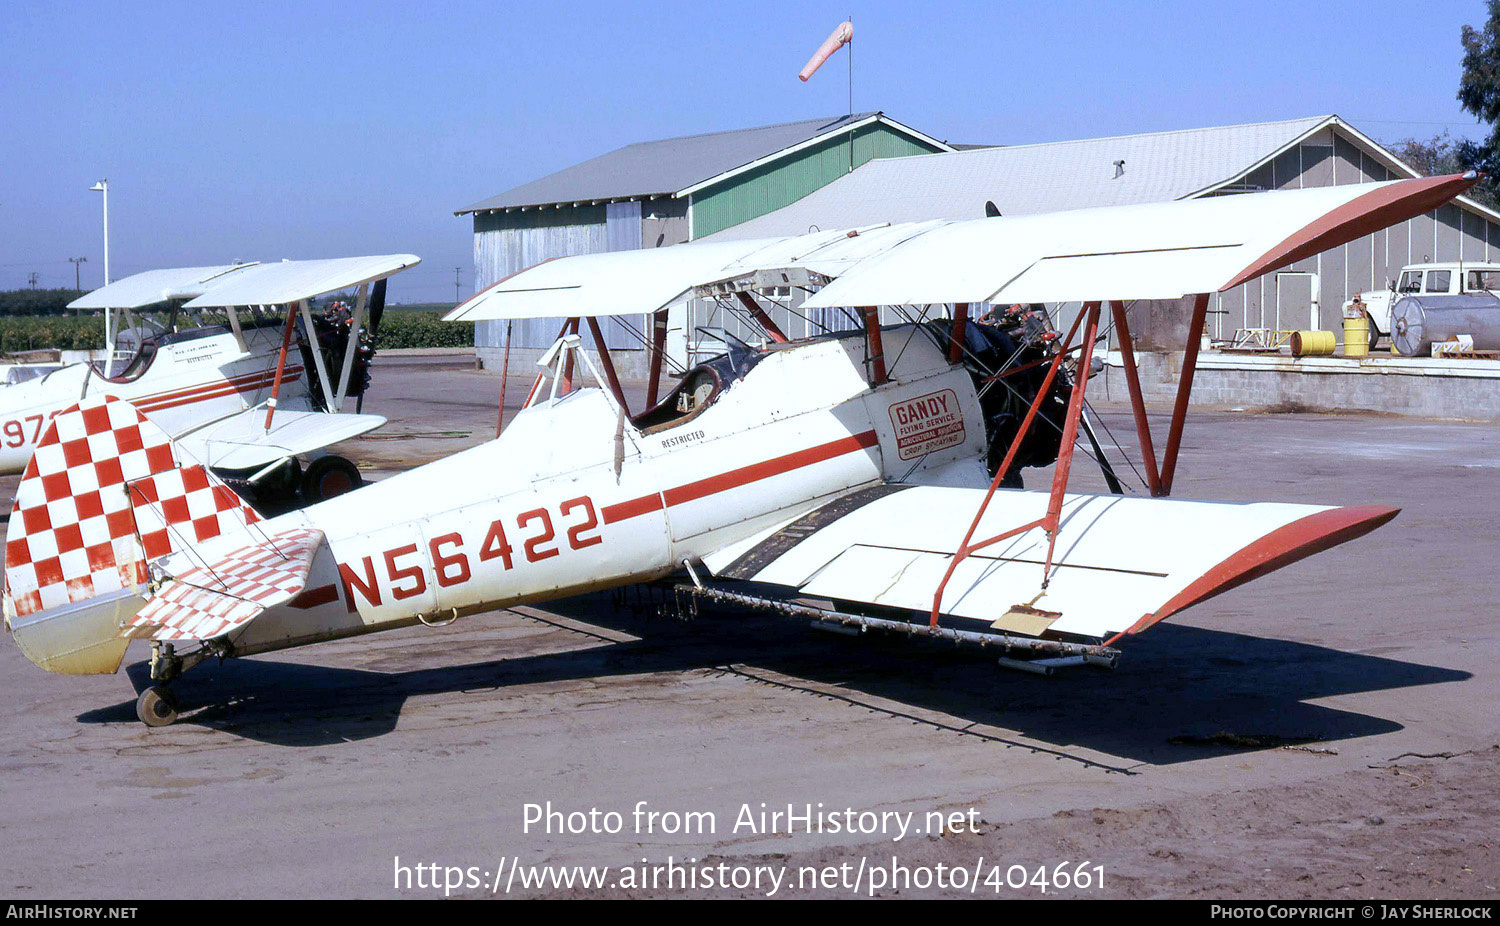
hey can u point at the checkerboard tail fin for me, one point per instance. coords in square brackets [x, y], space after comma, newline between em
[105, 494]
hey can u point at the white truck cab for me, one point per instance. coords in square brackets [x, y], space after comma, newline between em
[1448, 278]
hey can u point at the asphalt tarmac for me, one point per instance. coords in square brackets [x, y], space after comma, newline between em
[1329, 730]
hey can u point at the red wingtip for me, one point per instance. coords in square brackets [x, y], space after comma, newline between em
[1281, 547]
[1364, 215]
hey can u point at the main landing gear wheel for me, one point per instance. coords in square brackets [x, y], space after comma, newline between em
[327, 477]
[156, 707]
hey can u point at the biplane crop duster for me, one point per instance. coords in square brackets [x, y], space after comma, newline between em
[245, 400]
[856, 469]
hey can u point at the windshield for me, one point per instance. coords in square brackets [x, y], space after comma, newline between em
[129, 341]
[135, 348]
[1482, 279]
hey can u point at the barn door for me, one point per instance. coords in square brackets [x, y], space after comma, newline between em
[1296, 300]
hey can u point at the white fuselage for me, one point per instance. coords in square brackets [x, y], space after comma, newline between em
[187, 383]
[573, 496]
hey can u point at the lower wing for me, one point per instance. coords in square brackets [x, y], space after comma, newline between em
[242, 441]
[1119, 564]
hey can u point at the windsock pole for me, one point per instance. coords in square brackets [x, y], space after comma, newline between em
[842, 35]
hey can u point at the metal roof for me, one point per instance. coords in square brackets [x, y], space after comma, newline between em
[671, 165]
[1049, 177]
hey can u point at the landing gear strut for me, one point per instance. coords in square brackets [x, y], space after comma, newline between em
[157, 705]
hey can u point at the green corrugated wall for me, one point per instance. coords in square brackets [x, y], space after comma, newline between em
[783, 182]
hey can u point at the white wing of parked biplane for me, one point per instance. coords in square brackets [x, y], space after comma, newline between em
[242, 441]
[611, 283]
[1149, 251]
[1120, 564]
[153, 286]
[640, 281]
[243, 284]
[290, 281]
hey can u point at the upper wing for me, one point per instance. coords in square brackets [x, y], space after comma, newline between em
[1121, 564]
[289, 281]
[241, 441]
[1149, 251]
[251, 283]
[153, 286]
[225, 584]
[608, 283]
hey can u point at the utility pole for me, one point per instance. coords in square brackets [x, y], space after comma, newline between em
[77, 262]
[103, 187]
[31, 279]
[457, 297]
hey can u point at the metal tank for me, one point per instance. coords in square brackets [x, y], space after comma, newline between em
[1418, 322]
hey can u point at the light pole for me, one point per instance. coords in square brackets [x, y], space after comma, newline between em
[103, 187]
[77, 263]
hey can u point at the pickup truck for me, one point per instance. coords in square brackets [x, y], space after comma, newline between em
[1439, 278]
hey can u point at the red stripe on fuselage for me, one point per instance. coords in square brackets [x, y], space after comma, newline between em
[314, 597]
[241, 378]
[240, 384]
[738, 477]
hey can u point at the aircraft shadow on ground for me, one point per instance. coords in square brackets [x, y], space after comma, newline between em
[1180, 693]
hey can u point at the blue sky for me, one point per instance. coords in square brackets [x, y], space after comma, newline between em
[270, 130]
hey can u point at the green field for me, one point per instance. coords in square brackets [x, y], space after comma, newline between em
[422, 326]
[400, 327]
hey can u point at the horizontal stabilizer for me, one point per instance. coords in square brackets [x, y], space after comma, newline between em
[225, 584]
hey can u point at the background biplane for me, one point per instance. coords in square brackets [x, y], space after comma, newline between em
[245, 396]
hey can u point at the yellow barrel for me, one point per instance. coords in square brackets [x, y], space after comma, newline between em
[1357, 336]
[1313, 343]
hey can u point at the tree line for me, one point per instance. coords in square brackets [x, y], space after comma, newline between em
[36, 301]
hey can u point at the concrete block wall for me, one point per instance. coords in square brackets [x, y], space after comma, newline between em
[1468, 389]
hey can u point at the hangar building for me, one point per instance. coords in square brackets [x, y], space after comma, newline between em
[1158, 167]
[787, 179]
[657, 193]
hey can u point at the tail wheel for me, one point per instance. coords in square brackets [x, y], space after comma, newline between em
[327, 477]
[156, 707]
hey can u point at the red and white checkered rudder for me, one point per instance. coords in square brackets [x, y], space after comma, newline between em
[106, 492]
